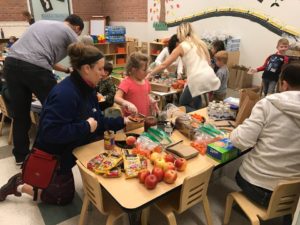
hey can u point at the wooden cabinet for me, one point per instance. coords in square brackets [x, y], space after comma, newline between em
[116, 53]
[154, 49]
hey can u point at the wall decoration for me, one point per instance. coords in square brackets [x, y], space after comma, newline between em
[161, 8]
[264, 20]
[275, 3]
[50, 9]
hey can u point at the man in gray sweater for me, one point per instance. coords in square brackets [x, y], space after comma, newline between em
[28, 69]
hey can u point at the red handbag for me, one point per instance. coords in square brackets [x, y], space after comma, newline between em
[39, 169]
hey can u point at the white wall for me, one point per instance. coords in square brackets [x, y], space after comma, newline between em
[257, 42]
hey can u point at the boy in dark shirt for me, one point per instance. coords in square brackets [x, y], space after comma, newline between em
[106, 88]
[272, 67]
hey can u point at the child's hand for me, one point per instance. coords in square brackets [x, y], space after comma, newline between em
[252, 71]
[129, 107]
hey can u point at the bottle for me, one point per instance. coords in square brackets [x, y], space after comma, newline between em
[109, 140]
[2, 34]
[168, 128]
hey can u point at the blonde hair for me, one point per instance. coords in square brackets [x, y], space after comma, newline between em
[283, 41]
[134, 61]
[79, 53]
[222, 56]
[185, 32]
[87, 40]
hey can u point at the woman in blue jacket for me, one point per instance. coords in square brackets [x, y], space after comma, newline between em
[70, 118]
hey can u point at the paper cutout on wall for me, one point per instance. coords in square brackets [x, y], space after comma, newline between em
[270, 23]
[275, 3]
[161, 8]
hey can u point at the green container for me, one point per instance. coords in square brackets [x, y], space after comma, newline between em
[222, 150]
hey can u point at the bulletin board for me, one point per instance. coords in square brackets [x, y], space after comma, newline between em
[50, 9]
[97, 25]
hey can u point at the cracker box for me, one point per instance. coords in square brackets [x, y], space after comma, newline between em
[222, 150]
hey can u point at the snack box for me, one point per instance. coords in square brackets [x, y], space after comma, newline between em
[222, 150]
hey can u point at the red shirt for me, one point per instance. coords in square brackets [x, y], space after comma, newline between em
[138, 94]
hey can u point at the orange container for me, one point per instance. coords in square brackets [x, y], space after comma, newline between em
[120, 60]
[120, 50]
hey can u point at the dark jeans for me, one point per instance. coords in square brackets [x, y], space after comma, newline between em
[23, 79]
[269, 86]
[190, 103]
[258, 195]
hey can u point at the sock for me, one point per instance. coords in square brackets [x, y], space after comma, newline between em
[19, 188]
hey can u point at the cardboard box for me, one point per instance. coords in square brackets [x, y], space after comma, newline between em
[222, 150]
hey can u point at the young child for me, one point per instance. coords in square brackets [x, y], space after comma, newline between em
[221, 59]
[216, 46]
[133, 92]
[272, 67]
[106, 88]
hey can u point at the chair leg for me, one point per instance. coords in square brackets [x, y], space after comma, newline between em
[145, 216]
[1, 123]
[207, 211]
[255, 222]
[228, 208]
[10, 133]
[84, 208]
[171, 218]
[111, 219]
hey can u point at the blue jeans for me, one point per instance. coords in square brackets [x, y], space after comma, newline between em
[23, 79]
[190, 103]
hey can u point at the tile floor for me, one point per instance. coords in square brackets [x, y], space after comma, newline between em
[23, 211]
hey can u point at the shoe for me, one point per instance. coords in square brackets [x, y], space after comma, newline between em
[11, 187]
[19, 162]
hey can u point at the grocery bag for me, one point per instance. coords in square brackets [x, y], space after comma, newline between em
[248, 98]
[243, 79]
[232, 76]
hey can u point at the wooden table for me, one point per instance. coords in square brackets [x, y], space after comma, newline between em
[129, 193]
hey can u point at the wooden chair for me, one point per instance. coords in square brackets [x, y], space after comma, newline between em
[193, 191]
[283, 202]
[4, 112]
[94, 194]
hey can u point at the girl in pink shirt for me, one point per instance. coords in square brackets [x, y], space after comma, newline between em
[133, 92]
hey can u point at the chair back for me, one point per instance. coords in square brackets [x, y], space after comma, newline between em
[91, 187]
[194, 189]
[3, 107]
[284, 199]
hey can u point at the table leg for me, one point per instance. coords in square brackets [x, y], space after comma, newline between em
[134, 217]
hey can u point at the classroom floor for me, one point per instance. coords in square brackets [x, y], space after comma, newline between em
[23, 211]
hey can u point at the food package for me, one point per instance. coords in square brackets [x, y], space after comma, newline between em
[96, 161]
[222, 150]
[185, 126]
[109, 162]
[132, 165]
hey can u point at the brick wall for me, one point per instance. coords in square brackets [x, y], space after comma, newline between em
[87, 8]
[12, 10]
[126, 10]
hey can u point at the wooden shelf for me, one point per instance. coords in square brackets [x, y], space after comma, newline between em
[155, 47]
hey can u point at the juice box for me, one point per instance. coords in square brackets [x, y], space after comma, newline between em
[222, 150]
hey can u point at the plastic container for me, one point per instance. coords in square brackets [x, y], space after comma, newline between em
[109, 140]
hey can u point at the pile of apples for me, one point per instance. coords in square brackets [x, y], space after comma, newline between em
[165, 169]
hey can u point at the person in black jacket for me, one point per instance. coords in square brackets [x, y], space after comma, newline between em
[70, 117]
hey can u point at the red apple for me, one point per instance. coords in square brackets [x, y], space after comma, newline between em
[160, 162]
[142, 175]
[154, 156]
[180, 164]
[169, 158]
[170, 176]
[169, 166]
[151, 181]
[130, 140]
[158, 172]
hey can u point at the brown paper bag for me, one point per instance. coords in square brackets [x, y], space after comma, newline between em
[243, 79]
[232, 76]
[248, 98]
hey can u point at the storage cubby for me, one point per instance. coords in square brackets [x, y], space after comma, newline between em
[154, 49]
[116, 53]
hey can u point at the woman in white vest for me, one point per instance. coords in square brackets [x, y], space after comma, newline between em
[195, 57]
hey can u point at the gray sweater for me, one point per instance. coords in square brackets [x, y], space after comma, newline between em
[222, 74]
[44, 43]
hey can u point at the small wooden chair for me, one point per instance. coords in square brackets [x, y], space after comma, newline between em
[94, 194]
[4, 112]
[193, 191]
[283, 202]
